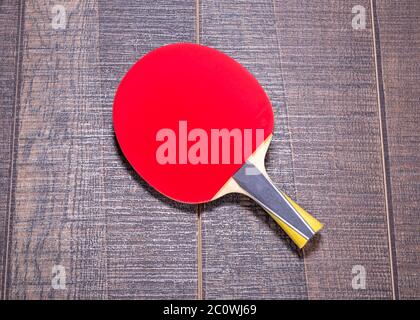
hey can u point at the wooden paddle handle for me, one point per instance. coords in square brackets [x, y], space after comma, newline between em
[294, 220]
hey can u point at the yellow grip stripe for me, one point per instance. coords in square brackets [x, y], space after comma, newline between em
[311, 221]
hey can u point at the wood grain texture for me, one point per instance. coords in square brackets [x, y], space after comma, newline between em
[151, 239]
[245, 254]
[330, 87]
[76, 202]
[58, 215]
[399, 37]
[9, 31]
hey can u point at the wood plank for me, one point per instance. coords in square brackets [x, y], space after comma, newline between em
[399, 38]
[59, 216]
[9, 31]
[330, 87]
[151, 240]
[245, 254]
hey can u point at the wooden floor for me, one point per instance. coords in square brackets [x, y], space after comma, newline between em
[346, 147]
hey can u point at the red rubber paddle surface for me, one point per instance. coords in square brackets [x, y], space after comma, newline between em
[192, 83]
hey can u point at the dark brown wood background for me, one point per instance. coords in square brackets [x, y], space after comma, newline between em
[346, 147]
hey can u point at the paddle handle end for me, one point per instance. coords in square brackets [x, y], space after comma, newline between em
[295, 221]
[297, 238]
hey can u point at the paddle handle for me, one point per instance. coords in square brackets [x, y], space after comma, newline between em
[294, 220]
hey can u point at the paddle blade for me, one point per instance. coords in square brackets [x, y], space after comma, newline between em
[169, 106]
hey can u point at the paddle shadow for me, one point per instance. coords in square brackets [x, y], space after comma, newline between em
[242, 201]
[149, 190]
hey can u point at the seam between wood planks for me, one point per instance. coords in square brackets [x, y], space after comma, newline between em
[290, 136]
[199, 255]
[197, 21]
[18, 64]
[380, 92]
[99, 64]
[199, 207]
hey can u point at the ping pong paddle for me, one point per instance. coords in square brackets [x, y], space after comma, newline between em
[196, 125]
